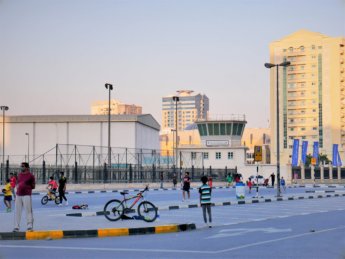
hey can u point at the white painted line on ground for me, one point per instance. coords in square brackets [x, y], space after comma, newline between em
[279, 239]
[99, 249]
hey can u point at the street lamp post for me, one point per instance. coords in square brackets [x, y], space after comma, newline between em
[3, 108]
[109, 87]
[173, 131]
[269, 66]
[27, 134]
[176, 99]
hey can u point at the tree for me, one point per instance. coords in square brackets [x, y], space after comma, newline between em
[323, 159]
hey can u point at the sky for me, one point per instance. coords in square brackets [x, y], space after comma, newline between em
[56, 55]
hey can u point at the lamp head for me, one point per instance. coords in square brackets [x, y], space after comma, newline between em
[269, 65]
[176, 98]
[285, 64]
[109, 86]
[27, 134]
[4, 108]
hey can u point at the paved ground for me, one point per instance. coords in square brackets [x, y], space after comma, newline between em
[50, 216]
[289, 229]
[308, 228]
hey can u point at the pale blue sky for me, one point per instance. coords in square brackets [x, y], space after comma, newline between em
[55, 56]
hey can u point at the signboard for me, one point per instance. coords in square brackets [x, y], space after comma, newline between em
[257, 153]
[217, 143]
[313, 161]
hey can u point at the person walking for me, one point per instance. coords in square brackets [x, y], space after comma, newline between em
[205, 200]
[282, 183]
[26, 183]
[250, 185]
[229, 180]
[161, 178]
[273, 178]
[174, 180]
[62, 188]
[186, 186]
[7, 195]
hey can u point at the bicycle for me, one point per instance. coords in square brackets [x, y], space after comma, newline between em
[52, 197]
[115, 209]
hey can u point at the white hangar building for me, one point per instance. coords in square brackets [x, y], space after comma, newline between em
[38, 134]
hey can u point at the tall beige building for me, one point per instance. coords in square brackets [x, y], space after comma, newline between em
[190, 107]
[311, 93]
[116, 107]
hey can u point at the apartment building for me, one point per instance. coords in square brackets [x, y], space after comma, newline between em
[311, 93]
[116, 107]
[190, 107]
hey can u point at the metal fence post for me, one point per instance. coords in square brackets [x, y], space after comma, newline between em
[104, 172]
[43, 172]
[130, 173]
[7, 168]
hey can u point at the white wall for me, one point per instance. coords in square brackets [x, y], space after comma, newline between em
[44, 136]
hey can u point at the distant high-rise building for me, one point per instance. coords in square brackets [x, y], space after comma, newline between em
[311, 93]
[116, 107]
[190, 108]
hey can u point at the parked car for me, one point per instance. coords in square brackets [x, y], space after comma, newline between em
[260, 178]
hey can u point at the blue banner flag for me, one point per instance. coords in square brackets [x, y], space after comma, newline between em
[336, 161]
[316, 152]
[304, 151]
[339, 160]
[295, 152]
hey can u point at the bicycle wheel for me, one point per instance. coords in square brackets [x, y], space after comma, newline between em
[148, 211]
[44, 200]
[113, 210]
[57, 200]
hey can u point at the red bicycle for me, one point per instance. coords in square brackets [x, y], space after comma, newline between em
[115, 209]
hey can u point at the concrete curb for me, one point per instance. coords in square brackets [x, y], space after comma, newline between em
[170, 189]
[227, 203]
[105, 232]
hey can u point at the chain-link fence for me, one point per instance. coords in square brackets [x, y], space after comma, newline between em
[89, 164]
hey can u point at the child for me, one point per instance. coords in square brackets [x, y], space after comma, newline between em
[282, 183]
[186, 186]
[250, 184]
[205, 200]
[229, 179]
[52, 186]
[13, 182]
[7, 195]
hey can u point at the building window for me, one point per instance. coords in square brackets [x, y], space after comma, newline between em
[205, 154]
[193, 155]
[218, 155]
[230, 155]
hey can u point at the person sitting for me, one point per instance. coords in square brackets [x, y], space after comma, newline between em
[52, 187]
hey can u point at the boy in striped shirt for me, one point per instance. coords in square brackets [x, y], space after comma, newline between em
[205, 200]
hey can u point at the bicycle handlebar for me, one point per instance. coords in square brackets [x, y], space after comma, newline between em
[146, 189]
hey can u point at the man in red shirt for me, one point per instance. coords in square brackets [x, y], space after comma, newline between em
[25, 185]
